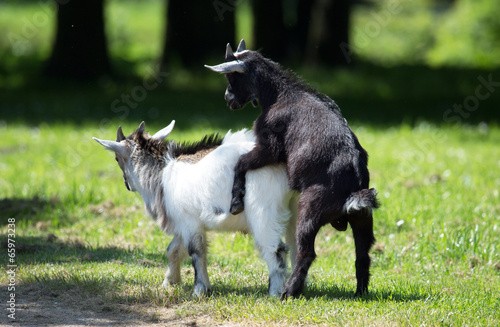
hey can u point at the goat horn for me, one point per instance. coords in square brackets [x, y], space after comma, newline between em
[229, 67]
[141, 128]
[229, 51]
[242, 46]
[119, 134]
[162, 134]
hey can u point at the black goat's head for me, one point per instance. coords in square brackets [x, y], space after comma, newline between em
[240, 81]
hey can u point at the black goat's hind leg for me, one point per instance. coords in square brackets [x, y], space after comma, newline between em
[362, 229]
[308, 225]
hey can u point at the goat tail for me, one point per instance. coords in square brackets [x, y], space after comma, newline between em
[365, 199]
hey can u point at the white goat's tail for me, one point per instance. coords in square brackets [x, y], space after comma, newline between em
[365, 199]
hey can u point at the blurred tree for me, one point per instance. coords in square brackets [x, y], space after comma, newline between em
[302, 28]
[269, 31]
[197, 30]
[468, 35]
[79, 50]
[329, 30]
[313, 31]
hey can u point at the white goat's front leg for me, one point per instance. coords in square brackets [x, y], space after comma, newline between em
[197, 249]
[277, 270]
[176, 253]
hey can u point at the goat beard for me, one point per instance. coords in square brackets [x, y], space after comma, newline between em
[234, 105]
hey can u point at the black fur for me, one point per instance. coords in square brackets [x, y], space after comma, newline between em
[305, 129]
[281, 253]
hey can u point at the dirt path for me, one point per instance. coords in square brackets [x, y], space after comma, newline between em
[34, 307]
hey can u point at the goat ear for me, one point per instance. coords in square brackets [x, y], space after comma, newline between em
[242, 46]
[162, 134]
[141, 128]
[119, 134]
[235, 66]
[113, 146]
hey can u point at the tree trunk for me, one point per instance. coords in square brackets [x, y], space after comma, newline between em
[269, 31]
[198, 31]
[330, 35]
[79, 50]
[302, 29]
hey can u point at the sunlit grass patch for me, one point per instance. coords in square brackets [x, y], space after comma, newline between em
[82, 237]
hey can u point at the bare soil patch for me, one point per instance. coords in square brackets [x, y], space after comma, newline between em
[37, 306]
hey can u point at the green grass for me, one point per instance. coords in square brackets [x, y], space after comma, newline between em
[436, 261]
[82, 238]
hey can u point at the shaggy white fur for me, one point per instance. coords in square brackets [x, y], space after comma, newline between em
[197, 196]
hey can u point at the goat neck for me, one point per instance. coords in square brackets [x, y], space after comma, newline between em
[272, 84]
[148, 163]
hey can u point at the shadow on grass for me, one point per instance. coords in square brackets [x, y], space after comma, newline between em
[38, 211]
[335, 292]
[23, 209]
[50, 249]
[366, 93]
[15, 207]
[329, 293]
[222, 289]
[68, 291]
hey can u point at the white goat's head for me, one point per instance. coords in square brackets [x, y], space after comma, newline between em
[237, 67]
[134, 151]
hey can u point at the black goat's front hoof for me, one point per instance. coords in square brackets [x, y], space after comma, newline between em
[285, 295]
[236, 206]
[290, 292]
[361, 293]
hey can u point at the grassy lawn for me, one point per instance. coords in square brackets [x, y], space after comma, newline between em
[86, 250]
[81, 236]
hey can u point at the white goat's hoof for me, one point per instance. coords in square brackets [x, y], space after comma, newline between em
[168, 284]
[276, 285]
[200, 290]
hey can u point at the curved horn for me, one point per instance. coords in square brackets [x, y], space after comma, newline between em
[229, 51]
[119, 134]
[162, 134]
[242, 46]
[229, 67]
[141, 128]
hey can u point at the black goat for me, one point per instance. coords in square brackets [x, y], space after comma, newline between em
[325, 162]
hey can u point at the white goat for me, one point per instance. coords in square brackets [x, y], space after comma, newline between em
[186, 188]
